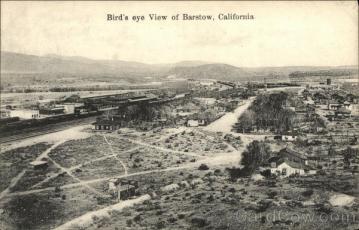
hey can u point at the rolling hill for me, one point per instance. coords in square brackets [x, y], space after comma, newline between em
[53, 66]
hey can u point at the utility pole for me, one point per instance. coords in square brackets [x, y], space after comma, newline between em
[119, 192]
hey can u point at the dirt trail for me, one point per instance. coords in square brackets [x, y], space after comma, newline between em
[74, 177]
[87, 182]
[192, 154]
[118, 159]
[226, 122]
[87, 219]
[16, 179]
[83, 164]
[13, 182]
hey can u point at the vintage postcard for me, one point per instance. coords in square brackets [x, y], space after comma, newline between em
[179, 115]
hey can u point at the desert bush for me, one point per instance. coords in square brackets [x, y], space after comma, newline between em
[232, 190]
[129, 222]
[263, 205]
[199, 222]
[57, 189]
[126, 212]
[323, 208]
[203, 167]
[294, 203]
[308, 193]
[272, 194]
[160, 224]
[103, 200]
[210, 198]
[159, 212]
[137, 218]
[172, 219]
[266, 173]
[234, 173]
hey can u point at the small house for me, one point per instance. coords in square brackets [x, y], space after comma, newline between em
[39, 164]
[346, 104]
[334, 105]
[192, 123]
[122, 189]
[342, 113]
[289, 137]
[25, 114]
[284, 168]
[109, 124]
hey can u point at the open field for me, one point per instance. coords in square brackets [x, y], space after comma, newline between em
[206, 199]
[14, 161]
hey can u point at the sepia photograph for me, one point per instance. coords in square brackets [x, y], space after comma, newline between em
[129, 115]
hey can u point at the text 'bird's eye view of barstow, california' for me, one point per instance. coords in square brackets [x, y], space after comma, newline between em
[179, 115]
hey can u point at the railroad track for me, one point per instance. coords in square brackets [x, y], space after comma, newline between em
[44, 130]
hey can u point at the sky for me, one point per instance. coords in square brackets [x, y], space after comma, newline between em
[281, 34]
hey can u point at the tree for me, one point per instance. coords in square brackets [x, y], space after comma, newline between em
[255, 155]
[246, 121]
[349, 154]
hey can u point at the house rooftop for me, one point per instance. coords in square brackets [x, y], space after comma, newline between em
[293, 164]
[294, 153]
[38, 163]
[105, 122]
[343, 110]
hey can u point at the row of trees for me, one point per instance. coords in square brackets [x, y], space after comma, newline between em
[268, 112]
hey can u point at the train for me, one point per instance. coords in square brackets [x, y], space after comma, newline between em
[12, 124]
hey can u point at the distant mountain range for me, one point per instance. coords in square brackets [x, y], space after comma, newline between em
[55, 65]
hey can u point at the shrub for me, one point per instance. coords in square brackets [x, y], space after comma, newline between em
[199, 222]
[266, 173]
[159, 212]
[210, 198]
[323, 208]
[203, 167]
[126, 212]
[232, 190]
[57, 189]
[272, 194]
[294, 203]
[172, 219]
[181, 215]
[263, 205]
[129, 222]
[160, 224]
[234, 173]
[137, 218]
[308, 193]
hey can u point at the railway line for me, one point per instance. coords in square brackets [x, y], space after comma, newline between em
[51, 128]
